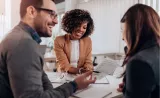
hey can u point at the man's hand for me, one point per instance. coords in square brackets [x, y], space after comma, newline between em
[83, 81]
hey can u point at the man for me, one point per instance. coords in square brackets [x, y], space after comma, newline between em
[21, 63]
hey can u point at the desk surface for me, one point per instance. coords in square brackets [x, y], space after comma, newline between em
[49, 57]
[112, 86]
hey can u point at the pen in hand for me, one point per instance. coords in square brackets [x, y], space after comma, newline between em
[96, 71]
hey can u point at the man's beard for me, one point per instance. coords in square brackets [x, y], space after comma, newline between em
[41, 30]
[43, 34]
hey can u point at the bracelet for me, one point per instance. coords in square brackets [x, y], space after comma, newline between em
[80, 71]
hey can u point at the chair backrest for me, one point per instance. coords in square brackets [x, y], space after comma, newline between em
[94, 61]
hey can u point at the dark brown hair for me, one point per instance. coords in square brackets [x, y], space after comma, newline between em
[26, 3]
[74, 18]
[142, 24]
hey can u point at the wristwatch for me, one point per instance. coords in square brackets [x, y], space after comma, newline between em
[75, 86]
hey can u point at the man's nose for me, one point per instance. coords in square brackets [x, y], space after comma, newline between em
[55, 21]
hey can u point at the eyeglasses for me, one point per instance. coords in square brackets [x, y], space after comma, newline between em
[52, 13]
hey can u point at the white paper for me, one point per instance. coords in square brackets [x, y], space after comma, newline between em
[101, 78]
[54, 77]
[60, 77]
[64, 77]
[93, 91]
[107, 66]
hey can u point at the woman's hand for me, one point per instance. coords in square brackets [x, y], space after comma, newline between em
[73, 70]
[83, 70]
[120, 88]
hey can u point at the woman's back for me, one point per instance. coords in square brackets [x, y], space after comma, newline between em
[142, 72]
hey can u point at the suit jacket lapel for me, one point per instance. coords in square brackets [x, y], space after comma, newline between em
[68, 46]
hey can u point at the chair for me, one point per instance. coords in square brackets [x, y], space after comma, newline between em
[94, 61]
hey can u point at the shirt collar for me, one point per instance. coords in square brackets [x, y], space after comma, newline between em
[33, 33]
[150, 43]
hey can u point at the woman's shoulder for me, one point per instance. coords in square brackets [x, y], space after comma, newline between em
[88, 39]
[60, 38]
[149, 55]
[146, 59]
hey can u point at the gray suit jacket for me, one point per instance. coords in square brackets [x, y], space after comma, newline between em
[21, 69]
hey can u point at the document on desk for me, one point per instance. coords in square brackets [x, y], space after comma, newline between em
[93, 91]
[60, 77]
[101, 78]
[107, 66]
[54, 77]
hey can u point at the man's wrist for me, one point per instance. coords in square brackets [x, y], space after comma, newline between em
[75, 86]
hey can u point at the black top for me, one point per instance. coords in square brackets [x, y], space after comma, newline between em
[142, 73]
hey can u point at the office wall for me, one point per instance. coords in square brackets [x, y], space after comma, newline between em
[106, 14]
[60, 7]
[5, 17]
[15, 16]
[2, 5]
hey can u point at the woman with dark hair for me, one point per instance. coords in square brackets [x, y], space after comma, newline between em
[141, 32]
[73, 50]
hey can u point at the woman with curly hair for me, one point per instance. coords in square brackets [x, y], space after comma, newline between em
[73, 50]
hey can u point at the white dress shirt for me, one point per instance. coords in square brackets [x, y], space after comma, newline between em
[74, 53]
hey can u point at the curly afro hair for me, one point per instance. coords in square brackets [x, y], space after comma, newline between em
[74, 18]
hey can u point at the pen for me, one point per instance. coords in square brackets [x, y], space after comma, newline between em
[96, 71]
[107, 95]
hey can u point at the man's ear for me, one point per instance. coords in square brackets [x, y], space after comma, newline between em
[31, 12]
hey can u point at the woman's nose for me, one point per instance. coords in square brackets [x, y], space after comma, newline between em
[81, 29]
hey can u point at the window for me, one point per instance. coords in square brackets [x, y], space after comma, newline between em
[5, 18]
[57, 29]
[155, 4]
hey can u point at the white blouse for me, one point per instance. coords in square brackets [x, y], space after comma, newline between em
[74, 53]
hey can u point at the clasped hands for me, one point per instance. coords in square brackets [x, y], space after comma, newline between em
[73, 70]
